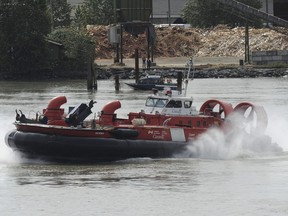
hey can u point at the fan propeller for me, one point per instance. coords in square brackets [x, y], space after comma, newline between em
[253, 117]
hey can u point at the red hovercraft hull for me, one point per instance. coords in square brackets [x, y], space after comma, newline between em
[89, 149]
[56, 137]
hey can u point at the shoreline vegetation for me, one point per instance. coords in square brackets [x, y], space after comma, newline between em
[215, 52]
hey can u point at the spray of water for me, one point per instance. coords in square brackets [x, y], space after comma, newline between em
[278, 127]
[238, 140]
[6, 154]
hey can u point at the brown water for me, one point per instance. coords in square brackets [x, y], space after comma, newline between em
[223, 180]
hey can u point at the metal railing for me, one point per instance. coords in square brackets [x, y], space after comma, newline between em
[250, 12]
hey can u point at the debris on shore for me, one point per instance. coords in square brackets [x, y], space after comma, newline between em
[176, 41]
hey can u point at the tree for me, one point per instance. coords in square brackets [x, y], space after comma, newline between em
[93, 12]
[207, 13]
[60, 14]
[79, 49]
[23, 24]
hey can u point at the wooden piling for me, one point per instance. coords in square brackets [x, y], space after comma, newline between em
[95, 84]
[136, 65]
[179, 81]
[91, 78]
[117, 83]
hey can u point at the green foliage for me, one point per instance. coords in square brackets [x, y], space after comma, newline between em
[60, 15]
[93, 12]
[208, 13]
[79, 49]
[23, 24]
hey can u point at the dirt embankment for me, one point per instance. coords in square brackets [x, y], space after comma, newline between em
[177, 42]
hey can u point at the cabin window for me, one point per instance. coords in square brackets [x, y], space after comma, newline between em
[198, 123]
[156, 102]
[150, 102]
[204, 124]
[161, 103]
[187, 104]
[171, 104]
[178, 104]
[174, 104]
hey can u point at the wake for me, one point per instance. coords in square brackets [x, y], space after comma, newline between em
[239, 140]
[215, 144]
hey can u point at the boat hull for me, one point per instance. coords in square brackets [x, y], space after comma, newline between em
[61, 148]
[146, 87]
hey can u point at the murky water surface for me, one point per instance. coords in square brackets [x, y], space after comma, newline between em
[221, 181]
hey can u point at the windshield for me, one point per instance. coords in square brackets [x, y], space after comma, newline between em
[156, 102]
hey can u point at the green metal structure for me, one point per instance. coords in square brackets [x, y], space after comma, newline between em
[132, 10]
[132, 16]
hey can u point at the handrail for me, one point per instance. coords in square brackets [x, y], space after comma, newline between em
[247, 11]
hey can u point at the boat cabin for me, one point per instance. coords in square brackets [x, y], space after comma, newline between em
[152, 79]
[165, 105]
[153, 82]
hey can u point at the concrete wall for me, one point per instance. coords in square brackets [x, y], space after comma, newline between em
[270, 57]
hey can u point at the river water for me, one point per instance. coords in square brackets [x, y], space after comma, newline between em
[222, 180]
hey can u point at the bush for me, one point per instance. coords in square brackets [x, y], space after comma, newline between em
[78, 49]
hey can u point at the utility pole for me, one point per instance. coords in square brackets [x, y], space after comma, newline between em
[169, 13]
[51, 14]
[247, 48]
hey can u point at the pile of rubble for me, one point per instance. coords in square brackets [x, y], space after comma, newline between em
[176, 41]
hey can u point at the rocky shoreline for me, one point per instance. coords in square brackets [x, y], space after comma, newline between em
[103, 73]
[233, 72]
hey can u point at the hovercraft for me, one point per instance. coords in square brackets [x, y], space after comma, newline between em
[167, 126]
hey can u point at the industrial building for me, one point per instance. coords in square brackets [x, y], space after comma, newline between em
[169, 11]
